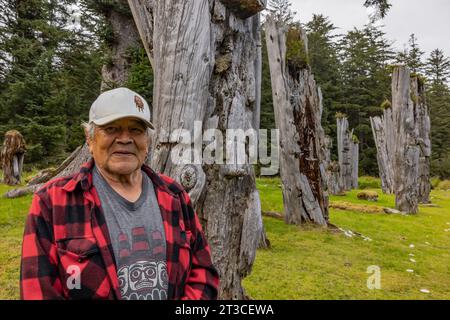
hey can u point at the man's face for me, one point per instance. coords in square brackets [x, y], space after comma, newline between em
[120, 147]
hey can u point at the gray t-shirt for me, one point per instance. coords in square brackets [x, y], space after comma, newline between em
[138, 239]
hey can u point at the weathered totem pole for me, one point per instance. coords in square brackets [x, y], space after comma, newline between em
[331, 168]
[297, 104]
[348, 154]
[384, 152]
[402, 137]
[406, 151]
[12, 155]
[423, 127]
[355, 161]
[206, 58]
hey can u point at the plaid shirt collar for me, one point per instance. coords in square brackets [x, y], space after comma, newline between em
[84, 178]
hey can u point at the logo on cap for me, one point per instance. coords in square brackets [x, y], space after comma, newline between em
[139, 103]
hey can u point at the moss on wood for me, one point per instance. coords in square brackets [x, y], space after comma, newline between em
[296, 54]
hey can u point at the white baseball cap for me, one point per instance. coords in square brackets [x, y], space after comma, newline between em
[119, 103]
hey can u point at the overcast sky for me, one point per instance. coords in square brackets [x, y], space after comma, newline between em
[428, 20]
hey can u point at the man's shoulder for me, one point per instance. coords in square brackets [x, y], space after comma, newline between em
[170, 183]
[54, 185]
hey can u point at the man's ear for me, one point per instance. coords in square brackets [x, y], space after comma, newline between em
[88, 140]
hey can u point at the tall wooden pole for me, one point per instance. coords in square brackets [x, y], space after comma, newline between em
[206, 59]
[297, 105]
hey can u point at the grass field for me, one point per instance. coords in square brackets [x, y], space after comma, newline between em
[312, 263]
[12, 218]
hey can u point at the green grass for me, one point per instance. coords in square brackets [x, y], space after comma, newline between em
[12, 219]
[444, 185]
[312, 263]
[369, 183]
[13, 213]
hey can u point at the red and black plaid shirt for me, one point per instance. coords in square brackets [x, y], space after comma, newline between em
[66, 232]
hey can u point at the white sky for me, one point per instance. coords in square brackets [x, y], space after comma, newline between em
[428, 20]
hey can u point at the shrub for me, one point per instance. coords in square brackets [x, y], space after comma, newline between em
[368, 195]
[296, 54]
[386, 104]
[340, 115]
[435, 182]
[444, 185]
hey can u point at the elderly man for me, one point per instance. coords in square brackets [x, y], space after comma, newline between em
[116, 229]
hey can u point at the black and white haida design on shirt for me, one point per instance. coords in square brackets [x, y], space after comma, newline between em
[143, 280]
[142, 274]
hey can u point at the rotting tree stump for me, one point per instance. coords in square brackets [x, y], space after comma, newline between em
[12, 155]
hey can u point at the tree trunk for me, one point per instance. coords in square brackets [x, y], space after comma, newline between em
[206, 62]
[355, 163]
[264, 242]
[345, 151]
[143, 11]
[12, 155]
[115, 74]
[383, 152]
[406, 148]
[423, 123]
[334, 179]
[331, 167]
[403, 143]
[297, 106]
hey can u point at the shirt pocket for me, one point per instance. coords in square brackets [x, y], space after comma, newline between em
[82, 271]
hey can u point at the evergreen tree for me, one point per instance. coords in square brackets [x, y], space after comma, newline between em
[365, 56]
[282, 10]
[382, 7]
[437, 68]
[324, 61]
[141, 74]
[48, 76]
[438, 97]
[412, 56]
